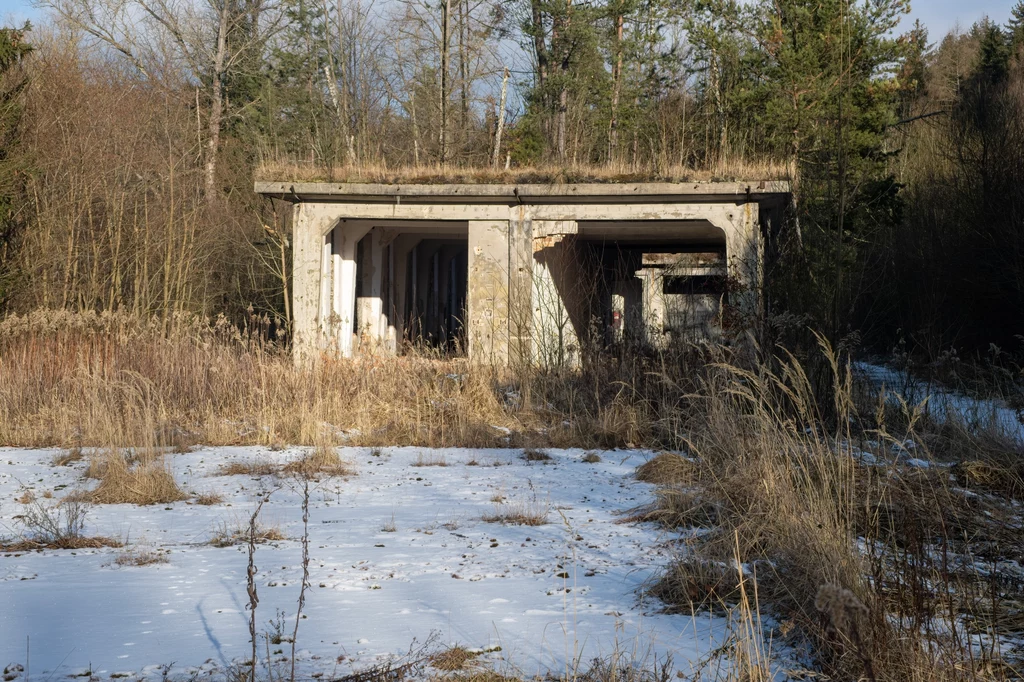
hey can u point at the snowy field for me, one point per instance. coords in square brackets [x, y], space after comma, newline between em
[400, 554]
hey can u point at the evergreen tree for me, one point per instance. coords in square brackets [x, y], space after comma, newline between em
[1015, 27]
[13, 50]
[993, 53]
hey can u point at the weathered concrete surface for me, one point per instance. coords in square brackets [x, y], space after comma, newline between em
[507, 274]
[488, 290]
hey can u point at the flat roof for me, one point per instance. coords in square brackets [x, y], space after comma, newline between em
[762, 191]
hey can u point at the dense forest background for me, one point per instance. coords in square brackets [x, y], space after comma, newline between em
[131, 131]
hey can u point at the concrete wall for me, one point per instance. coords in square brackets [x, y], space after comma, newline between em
[522, 294]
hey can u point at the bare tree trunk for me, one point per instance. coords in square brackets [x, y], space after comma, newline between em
[217, 103]
[464, 61]
[501, 119]
[446, 10]
[563, 94]
[539, 47]
[415, 129]
[613, 124]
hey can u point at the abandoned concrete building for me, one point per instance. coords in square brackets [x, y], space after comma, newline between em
[529, 271]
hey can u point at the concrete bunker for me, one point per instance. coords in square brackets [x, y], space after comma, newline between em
[537, 273]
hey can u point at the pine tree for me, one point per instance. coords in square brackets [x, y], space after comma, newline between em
[1015, 26]
[13, 50]
[993, 53]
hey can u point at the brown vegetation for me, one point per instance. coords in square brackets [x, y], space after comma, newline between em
[518, 512]
[240, 534]
[252, 467]
[54, 526]
[129, 478]
[324, 460]
[782, 484]
[667, 468]
[137, 556]
[430, 460]
[208, 499]
[738, 170]
[453, 658]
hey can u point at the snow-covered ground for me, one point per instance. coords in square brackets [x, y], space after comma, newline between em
[532, 597]
[942, 404]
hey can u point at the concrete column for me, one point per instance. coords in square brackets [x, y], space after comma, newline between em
[307, 265]
[401, 247]
[487, 295]
[425, 291]
[520, 285]
[328, 273]
[313, 277]
[654, 305]
[346, 236]
[744, 258]
[445, 312]
[370, 305]
[555, 341]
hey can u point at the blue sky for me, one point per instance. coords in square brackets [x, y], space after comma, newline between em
[938, 15]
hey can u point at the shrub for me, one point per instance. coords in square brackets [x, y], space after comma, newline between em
[56, 526]
[139, 479]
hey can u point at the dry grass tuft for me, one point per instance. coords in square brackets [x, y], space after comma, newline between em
[137, 556]
[522, 512]
[430, 460]
[143, 480]
[254, 467]
[324, 460]
[66, 457]
[1007, 479]
[208, 499]
[27, 497]
[228, 536]
[678, 508]
[668, 468]
[535, 455]
[695, 584]
[454, 658]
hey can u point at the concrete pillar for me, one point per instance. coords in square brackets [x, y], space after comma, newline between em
[556, 283]
[310, 224]
[401, 247]
[370, 304]
[744, 259]
[425, 291]
[446, 292]
[520, 286]
[346, 237]
[328, 273]
[487, 295]
[654, 305]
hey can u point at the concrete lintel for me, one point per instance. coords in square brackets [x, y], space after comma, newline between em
[442, 212]
[547, 228]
